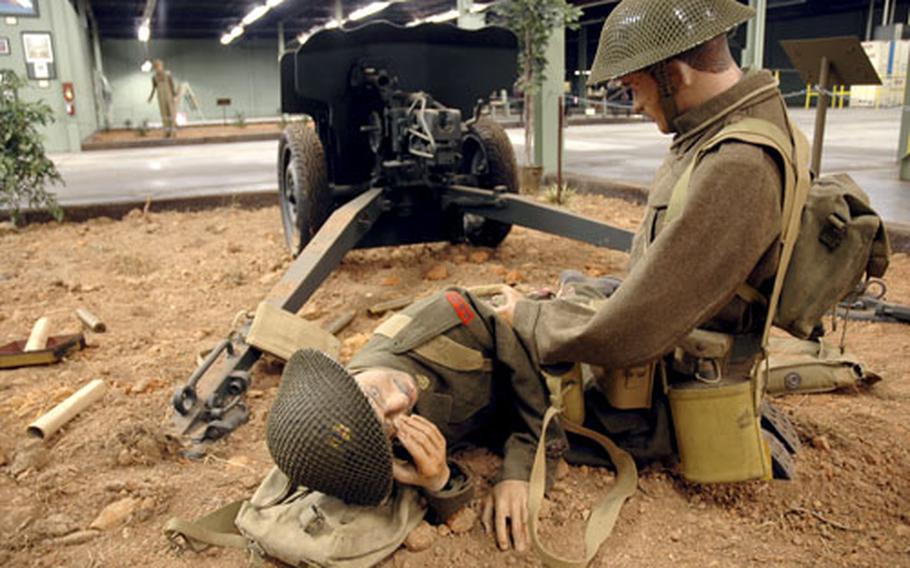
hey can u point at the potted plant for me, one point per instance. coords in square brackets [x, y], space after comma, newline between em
[533, 21]
[25, 169]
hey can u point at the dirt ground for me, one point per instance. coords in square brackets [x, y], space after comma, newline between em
[214, 131]
[169, 285]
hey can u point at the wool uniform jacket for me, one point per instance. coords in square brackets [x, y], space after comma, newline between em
[685, 273]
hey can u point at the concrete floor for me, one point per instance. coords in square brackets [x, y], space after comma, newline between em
[862, 142]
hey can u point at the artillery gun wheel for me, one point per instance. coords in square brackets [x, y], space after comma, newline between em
[488, 155]
[303, 185]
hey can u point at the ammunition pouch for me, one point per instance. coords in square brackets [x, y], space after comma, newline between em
[626, 389]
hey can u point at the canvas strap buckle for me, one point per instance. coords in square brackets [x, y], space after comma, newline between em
[834, 232]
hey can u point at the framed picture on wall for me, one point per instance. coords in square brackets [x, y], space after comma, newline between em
[39, 55]
[4, 46]
[19, 8]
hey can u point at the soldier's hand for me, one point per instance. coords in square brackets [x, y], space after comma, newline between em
[426, 444]
[508, 503]
[506, 310]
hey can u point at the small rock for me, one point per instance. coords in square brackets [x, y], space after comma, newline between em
[152, 228]
[459, 258]
[421, 538]
[562, 469]
[148, 447]
[15, 518]
[439, 551]
[29, 456]
[312, 312]
[78, 537]
[391, 281]
[514, 277]
[115, 514]
[480, 256]
[141, 386]
[55, 525]
[443, 530]
[821, 443]
[462, 521]
[438, 272]
[498, 270]
[268, 278]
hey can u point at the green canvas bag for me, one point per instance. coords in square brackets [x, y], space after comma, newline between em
[301, 527]
[841, 241]
[800, 366]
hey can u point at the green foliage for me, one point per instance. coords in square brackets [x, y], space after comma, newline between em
[144, 128]
[533, 21]
[240, 120]
[559, 195]
[128, 124]
[25, 169]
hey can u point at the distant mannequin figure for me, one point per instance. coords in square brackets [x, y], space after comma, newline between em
[168, 97]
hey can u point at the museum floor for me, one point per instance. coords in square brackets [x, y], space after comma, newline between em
[862, 142]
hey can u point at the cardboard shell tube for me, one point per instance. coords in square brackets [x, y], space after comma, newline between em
[38, 338]
[90, 320]
[67, 410]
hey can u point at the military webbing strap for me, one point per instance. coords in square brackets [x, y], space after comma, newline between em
[795, 155]
[215, 529]
[754, 131]
[604, 513]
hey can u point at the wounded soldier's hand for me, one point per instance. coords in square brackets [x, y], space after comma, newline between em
[506, 310]
[427, 446]
[508, 502]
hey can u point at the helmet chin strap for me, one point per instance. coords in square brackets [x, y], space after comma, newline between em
[661, 74]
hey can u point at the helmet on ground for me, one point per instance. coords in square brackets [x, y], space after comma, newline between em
[323, 434]
[640, 33]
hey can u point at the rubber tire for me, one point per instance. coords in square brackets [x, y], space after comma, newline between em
[303, 185]
[501, 169]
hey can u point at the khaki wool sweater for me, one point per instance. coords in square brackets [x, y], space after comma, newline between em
[684, 274]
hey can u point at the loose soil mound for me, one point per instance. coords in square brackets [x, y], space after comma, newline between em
[169, 285]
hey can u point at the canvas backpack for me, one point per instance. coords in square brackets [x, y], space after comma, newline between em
[841, 239]
[302, 527]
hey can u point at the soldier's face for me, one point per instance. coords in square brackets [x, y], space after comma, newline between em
[392, 394]
[646, 97]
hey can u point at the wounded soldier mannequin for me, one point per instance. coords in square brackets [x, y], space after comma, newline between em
[442, 374]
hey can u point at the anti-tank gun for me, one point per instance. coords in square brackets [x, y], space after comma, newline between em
[398, 152]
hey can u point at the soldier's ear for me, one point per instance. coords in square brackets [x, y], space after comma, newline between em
[682, 76]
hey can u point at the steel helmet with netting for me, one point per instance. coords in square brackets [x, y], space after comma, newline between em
[641, 33]
[323, 434]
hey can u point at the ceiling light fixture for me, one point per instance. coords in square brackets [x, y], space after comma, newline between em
[368, 10]
[255, 14]
[273, 3]
[332, 24]
[442, 17]
[145, 31]
[146, 66]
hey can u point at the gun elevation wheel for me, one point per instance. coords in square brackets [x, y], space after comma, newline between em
[303, 185]
[489, 157]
